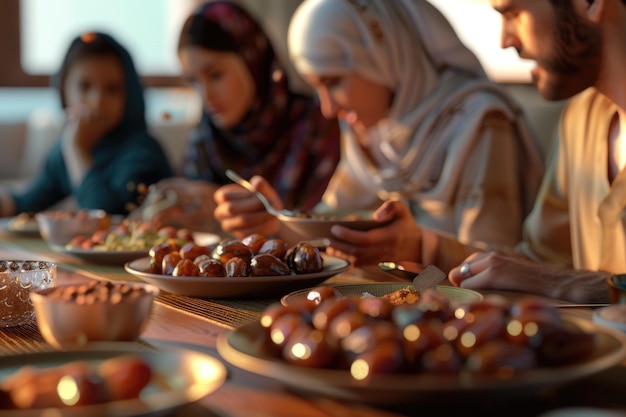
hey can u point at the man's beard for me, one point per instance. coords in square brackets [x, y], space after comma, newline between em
[576, 59]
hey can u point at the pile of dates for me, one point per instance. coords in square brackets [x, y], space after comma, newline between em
[255, 255]
[75, 383]
[369, 335]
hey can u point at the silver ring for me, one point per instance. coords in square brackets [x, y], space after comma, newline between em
[465, 270]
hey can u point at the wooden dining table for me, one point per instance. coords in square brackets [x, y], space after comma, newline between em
[182, 322]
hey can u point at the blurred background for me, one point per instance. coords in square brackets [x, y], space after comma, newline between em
[34, 35]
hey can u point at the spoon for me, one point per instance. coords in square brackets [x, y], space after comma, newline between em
[428, 278]
[246, 184]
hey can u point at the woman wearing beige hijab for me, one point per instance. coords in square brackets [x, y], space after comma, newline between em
[427, 140]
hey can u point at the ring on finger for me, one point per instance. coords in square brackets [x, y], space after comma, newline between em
[465, 270]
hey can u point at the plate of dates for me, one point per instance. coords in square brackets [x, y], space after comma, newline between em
[230, 287]
[106, 379]
[360, 349]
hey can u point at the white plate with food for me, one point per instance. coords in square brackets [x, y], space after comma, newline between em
[379, 289]
[121, 257]
[23, 224]
[176, 378]
[228, 287]
[101, 257]
[247, 348]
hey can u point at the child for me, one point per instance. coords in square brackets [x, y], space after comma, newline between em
[105, 158]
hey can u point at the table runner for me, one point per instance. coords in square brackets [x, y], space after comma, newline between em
[22, 339]
[26, 339]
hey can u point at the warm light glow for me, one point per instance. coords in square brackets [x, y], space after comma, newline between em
[359, 369]
[531, 329]
[266, 320]
[468, 339]
[277, 336]
[478, 25]
[300, 351]
[411, 332]
[514, 328]
[205, 371]
[68, 392]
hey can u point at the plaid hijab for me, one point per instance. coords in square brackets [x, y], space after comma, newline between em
[283, 137]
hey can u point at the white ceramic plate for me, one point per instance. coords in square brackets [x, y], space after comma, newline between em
[121, 257]
[28, 229]
[180, 377]
[244, 348]
[379, 289]
[228, 287]
[314, 227]
[102, 257]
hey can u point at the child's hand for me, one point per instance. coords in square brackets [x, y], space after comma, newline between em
[84, 128]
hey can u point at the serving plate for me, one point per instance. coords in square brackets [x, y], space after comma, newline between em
[121, 257]
[180, 377]
[101, 257]
[29, 228]
[228, 287]
[319, 227]
[244, 347]
[379, 289]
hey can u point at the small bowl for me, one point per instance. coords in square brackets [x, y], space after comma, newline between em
[71, 316]
[617, 288]
[318, 226]
[17, 280]
[59, 227]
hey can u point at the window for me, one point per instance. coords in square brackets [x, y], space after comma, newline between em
[35, 40]
[35, 33]
[478, 25]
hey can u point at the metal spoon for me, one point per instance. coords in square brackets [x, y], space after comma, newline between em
[428, 278]
[246, 184]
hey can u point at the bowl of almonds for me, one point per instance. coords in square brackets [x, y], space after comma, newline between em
[71, 316]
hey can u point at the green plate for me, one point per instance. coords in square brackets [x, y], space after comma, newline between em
[379, 289]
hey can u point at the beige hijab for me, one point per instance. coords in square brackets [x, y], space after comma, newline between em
[408, 46]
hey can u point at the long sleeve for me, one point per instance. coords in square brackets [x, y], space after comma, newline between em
[547, 228]
[50, 185]
[489, 202]
[114, 184]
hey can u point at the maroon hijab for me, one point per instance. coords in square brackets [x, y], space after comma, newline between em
[283, 137]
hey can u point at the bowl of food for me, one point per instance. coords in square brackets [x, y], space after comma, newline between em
[317, 226]
[18, 279]
[71, 316]
[59, 227]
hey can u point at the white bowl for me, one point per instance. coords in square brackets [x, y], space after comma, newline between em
[318, 226]
[71, 316]
[59, 227]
